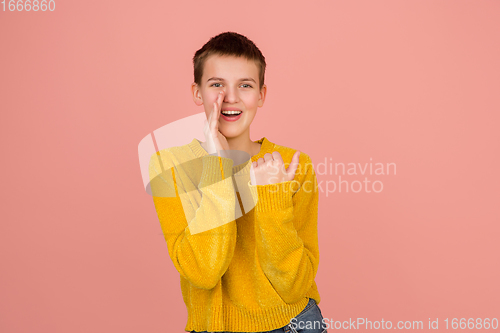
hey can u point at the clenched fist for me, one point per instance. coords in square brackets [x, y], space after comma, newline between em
[271, 169]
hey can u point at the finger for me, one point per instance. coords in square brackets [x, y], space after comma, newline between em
[219, 104]
[215, 118]
[216, 107]
[216, 111]
[220, 97]
[277, 157]
[268, 157]
[278, 162]
[260, 161]
[214, 115]
[292, 168]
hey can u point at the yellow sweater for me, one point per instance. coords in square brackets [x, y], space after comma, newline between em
[239, 271]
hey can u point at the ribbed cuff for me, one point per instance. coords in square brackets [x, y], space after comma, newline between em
[215, 169]
[273, 197]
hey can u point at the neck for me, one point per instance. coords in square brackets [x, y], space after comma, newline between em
[243, 143]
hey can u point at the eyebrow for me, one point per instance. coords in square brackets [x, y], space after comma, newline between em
[221, 79]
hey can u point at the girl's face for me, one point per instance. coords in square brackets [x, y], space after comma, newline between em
[238, 78]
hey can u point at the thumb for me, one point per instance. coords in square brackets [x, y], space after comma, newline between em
[290, 171]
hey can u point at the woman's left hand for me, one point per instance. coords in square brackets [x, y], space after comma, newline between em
[271, 169]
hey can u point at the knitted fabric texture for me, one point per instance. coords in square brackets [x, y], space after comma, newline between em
[247, 254]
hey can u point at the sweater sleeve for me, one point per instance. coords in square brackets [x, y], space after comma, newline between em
[200, 256]
[286, 234]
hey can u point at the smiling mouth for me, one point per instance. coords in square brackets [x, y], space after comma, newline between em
[231, 116]
[231, 113]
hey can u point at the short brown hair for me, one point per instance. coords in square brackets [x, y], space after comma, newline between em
[229, 44]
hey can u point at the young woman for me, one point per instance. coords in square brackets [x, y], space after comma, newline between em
[242, 235]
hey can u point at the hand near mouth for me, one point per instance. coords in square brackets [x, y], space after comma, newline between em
[271, 169]
[215, 141]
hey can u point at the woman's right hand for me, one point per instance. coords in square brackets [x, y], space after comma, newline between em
[214, 140]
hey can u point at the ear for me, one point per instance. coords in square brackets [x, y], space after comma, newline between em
[198, 100]
[262, 96]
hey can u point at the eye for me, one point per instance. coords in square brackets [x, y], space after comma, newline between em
[244, 84]
[214, 84]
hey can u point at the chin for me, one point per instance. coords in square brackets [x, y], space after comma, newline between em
[230, 133]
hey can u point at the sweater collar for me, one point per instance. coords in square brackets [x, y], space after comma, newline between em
[244, 168]
[266, 147]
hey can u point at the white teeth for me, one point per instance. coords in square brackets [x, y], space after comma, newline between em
[231, 112]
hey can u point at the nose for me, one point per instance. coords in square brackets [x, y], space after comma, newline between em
[230, 95]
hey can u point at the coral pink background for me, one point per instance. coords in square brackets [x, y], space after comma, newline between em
[413, 83]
